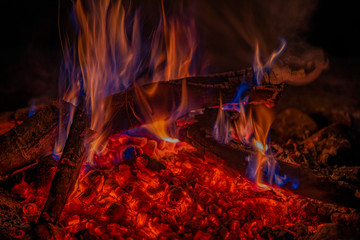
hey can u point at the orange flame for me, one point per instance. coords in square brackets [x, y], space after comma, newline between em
[107, 58]
[243, 126]
[222, 125]
[251, 127]
[162, 122]
[110, 60]
[174, 44]
[173, 48]
[262, 118]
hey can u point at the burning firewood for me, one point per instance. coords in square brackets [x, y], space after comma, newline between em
[21, 146]
[202, 91]
[234, 153]
[69, 168]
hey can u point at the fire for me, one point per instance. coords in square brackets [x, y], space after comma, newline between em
[251, 125]
[260, 68]
[147, 188]
[262, 118]
[173, 48]
[108, 58]
[262, 160]
[174, 43]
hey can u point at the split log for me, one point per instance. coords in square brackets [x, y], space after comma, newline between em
[67, 174]
[310, 184]
[32, 139]
[128, 107]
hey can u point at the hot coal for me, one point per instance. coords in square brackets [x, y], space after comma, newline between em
[172, 191]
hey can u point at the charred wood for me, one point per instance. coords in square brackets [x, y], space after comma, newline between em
[311, 184]
[32, 139]
[201, 91]
[21, 146]
[68, 171]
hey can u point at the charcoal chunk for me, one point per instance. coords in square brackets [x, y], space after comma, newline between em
[294, 124]
[335, 231]
[332, 145]
[270, 233]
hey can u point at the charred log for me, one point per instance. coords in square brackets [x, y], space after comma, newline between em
[311, 184]
[201, 91]
[21, 146]
[69, 168]
[34, 138]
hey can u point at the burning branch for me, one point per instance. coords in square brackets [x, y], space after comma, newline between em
[69, 168]
[202, 91]
[234, 153]
[25, 143]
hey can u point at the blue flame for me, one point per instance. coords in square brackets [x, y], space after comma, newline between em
[32, 108]
[259, 68]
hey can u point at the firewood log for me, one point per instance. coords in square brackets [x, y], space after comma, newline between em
[32, 139]
[68, 169]
[201, 91]
[310, 184]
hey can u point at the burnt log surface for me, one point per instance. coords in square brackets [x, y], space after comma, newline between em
[33, 138]
[68, 169]
[311, 184]
[201, 91]
[21, 146]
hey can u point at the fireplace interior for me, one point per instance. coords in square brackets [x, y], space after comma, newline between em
[180, 120]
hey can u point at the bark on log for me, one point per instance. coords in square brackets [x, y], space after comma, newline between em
[202, 91]
[310, 184]
[69, 168]
[32, 139]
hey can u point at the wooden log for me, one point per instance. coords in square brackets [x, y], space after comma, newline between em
[309, 183]
[32, 139]
[201, 91]
[68, 169]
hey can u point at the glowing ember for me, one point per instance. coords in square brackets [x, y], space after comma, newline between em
[156, 189]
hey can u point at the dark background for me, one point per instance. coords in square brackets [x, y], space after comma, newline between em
[31, 51]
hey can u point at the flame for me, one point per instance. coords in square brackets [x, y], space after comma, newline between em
[251, 124]
[161, 121]
[222, 124]
[174, 44]
[173, 47]
[108, 58]
[243, 126]
[260, 68]
[262, 118]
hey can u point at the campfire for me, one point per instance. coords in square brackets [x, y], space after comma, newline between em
[144, 144]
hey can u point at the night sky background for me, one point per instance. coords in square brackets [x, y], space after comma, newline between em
[31, 51]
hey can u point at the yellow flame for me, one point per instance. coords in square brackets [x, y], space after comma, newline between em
[173, 48]
[161, 119]
[262, 118]
[110, 58]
